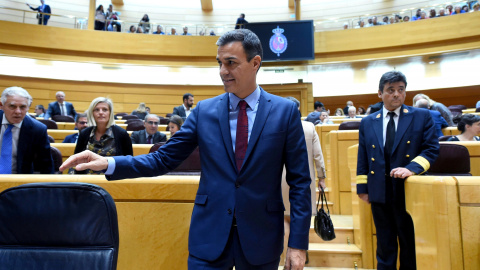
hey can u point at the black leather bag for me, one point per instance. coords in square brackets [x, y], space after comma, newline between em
[323, 222]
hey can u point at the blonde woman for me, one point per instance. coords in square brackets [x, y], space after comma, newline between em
[102, 136]
[140, 111]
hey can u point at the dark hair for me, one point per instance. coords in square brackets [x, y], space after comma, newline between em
[177, 120]
[80, 115]
[466, 119]
[40, 107]
[250, 42]
[391, 77]
[317, 104]
[187, 96]
[297, 103]
[242, 15]
[98, 8]
[147, 20]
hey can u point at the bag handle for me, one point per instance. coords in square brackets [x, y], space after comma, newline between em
[323, 197]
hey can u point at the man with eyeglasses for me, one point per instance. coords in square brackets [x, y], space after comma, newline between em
[150, 135]
[80, 124]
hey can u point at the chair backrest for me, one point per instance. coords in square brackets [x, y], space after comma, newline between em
[190, 166]
[58, 226]
[168, 115]
[477, 109]
[120, 114]
[456, 111]
[164, 121]
[49, 123]
[444, 138]
[50, 139]
[63, 118]
[349, 125]
[133, 120]
[56, 157]
[453, 159]
[126, 117]
[135, 125]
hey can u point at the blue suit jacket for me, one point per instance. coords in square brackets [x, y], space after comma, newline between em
[33, 151]
[72, 138]
[253, 194]
[54, 109]
[415, 148]
[439, 122]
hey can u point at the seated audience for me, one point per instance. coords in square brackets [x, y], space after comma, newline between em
[398, 18]
[80, 124]
[465, 8]
[132, 29]
[436, 116]
[391, 20]
[100, 18]
[476, 7]
[185, 109]
[185, 32]
[361, 111]
[313, 116]
[369, 22]
[159, 30]
[375, 22]
[386, 20]
[449, 9]
[147, 110]
[102, 136]
[323, 119]
[352, 113]
[24, 140]
[361, 24]
[140, 111]
[437, 106]
[144, 24]
[345, 26]
[458, 10]
[349, 104]
[433, 13]
[441, 12]
[139, 30]
[173, 31]
[150, 135]
[212, 33]
[417, 15]
[240, 24]
[339, 112]
[406, 19]
[60, 107]
[39, 111]
[423, 15]
[201, 33]
[469, 126]
[174, 124]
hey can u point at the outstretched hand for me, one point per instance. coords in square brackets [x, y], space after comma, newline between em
[85, 160]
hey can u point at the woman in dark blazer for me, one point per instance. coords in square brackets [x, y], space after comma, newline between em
[102, 136]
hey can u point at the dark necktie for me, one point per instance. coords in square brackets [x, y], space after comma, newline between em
[149, 140]
[6, 152]
[241, 141]
[389, 140]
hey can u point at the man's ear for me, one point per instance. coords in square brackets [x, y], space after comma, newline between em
[380, 94]
[257, 62]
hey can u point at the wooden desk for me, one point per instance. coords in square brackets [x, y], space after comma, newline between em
[153, 215]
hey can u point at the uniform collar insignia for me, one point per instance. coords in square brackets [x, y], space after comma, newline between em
[405, 110]
[378, 115]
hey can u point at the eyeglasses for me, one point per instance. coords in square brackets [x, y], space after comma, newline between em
[82, 123]
[152, 123]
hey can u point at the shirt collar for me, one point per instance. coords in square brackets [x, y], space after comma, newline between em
[251, 99]
[185, 107]
[385, 111]
[5, 121]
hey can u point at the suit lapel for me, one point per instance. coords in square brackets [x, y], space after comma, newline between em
[264, 107]
[224, 123]
[404, 121]
[24, 138]
[378, 128]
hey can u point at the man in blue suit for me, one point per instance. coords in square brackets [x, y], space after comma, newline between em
[23, 140]
[394, 143]
[80, 124]
[60, 107]
[42, 9]
[237, 219]
[437, 117]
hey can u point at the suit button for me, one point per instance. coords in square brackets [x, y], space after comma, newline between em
[373, 159]
[229, 211]
[408, 142]
[407, 155]
[372, 172]
[373, 146]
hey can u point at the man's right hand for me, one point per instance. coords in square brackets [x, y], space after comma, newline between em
[364, 197]
[85, 160]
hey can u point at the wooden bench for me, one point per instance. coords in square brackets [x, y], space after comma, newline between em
[153, 215]
[59, 135]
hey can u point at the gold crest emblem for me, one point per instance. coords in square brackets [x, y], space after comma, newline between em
[378, 115]
[405, 110]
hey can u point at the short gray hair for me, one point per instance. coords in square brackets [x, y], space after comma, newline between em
[16, 91]
[152, 115]
[91, 119]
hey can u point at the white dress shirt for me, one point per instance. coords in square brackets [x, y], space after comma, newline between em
[386, 118]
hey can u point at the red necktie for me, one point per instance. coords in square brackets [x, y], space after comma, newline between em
[241, 141]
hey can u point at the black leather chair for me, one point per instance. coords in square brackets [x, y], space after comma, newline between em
[57, 158]
[168, 115]
[120, 114]
[58, 226]
[444, 138]
[453, 159]
[63, 118]
[164, 121]
[349, 125]
[49, 123]
[50, 138]
[135, 125]
[126, 117]
[477, 109]
[133, 120]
